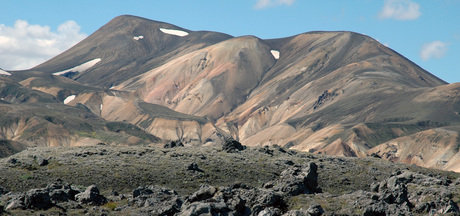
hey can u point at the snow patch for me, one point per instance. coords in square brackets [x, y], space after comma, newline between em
[68, 99]
[140, 37]
[2, 72]
[101, 107]
[174, 32]
[80, 68]
[275, 53]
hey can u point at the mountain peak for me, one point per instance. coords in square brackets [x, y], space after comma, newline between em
[135, 20]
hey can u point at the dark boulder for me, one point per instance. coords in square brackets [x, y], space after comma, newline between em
[42, 162]
[174, 144]
[12, 161]
[37, 199]
[193, 167]
[375, 210]
[232, 146]
[61, 193]
[266, 150]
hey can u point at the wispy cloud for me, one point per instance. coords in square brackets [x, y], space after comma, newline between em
[23, 45]
[261, 4]
[400, 10]
[435, 49]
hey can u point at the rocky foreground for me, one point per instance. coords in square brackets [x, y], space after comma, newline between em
[107, 180]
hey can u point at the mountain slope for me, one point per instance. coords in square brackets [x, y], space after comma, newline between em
[208, 82]
[122, 56]
[339, 93]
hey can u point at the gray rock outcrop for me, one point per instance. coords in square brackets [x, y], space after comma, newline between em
[157, 200]
[91, 196]
[52, 195]
[297, 180]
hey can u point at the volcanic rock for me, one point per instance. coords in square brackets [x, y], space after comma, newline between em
[297, 180]
[232, 146]
[91, 196]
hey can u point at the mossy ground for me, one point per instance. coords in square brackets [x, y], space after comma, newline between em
[122, 169]
[125, 168]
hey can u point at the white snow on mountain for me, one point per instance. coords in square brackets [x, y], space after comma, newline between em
[2, 72]
[275, 53]
[80, 68]
[68, 99]
[174, 32]
[140, 37]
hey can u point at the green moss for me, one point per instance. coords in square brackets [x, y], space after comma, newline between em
[26, 176]
[111, 205]
[298, 202]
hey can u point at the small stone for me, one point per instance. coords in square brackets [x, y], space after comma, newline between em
[42, 162]
[12, 161]
[193, 167]
[289, 162]
[315, 210]
[174, 144]
[15, 204]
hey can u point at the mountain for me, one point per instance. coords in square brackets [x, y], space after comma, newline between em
[122, 55]
[337, 93]
[33, 118]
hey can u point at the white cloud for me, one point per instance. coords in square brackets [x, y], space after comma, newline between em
[400, 10]
[23, 45]
[435, 49]
[261, 4]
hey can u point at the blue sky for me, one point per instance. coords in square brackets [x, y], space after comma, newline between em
[427, 31]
